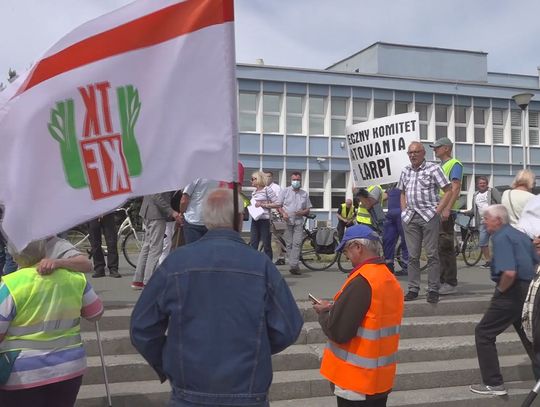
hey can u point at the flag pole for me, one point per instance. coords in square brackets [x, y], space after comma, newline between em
[236, 216]
[102, 357]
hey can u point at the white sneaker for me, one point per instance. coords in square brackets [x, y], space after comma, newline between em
[447, 289]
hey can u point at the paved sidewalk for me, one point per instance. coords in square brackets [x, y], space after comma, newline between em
[323, 284]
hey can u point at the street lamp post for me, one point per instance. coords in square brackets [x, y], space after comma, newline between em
[522, 100]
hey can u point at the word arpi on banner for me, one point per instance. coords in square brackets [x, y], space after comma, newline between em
[378, 148]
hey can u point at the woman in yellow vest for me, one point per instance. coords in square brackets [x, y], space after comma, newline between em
[42, 358]
[363, 325]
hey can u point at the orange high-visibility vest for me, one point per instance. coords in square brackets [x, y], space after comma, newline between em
[367, 363]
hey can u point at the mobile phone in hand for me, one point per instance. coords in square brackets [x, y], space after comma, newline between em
[314, 299]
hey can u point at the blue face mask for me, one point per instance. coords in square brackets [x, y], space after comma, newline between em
[295, 184]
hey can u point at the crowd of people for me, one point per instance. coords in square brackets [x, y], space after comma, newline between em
[214, 286]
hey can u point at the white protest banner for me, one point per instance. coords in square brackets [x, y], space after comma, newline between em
[139, 101]
[378, 148]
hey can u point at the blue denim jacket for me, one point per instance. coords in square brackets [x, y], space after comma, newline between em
[210, 318]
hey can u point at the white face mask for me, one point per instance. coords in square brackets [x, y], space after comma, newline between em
[295, 184]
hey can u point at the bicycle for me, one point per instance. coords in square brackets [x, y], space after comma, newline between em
[131, 239]
[470, 246]
[312, 255]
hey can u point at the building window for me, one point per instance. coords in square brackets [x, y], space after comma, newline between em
[247, 111]
[339, 179]
[515, 121]
[441, 121]
[295, 108]
[380, 108]
[422, 110]
[339, 114]
[360, 111]
[337, 199]
[480, 125]
[533, 129]
[316, 115]
[316, 179]
[271, 113]
[317, 199]
[401, 107]
[461, 123]
[498, 126]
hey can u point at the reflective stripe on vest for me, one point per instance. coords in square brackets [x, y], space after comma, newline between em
[377, 333]
[47, 310]
[447, 168]
[366, 363]
[59, 343]
[45, 326]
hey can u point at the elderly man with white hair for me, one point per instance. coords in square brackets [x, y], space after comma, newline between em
[513, 267]
[213, 314]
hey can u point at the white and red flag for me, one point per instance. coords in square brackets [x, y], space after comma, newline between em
[138, 101]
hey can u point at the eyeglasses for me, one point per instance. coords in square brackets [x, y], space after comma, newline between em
[254, 179]
[413, 152]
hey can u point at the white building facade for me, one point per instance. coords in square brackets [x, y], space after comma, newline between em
[294, 119]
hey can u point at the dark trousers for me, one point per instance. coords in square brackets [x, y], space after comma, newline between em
[192, 233]
[504, 310]
[260, 231]
[447, 252]
[341, 226]
[61, 394]
[378, 402]
[107, 224]
[392, 230]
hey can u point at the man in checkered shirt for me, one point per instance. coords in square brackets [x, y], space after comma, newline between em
[421, 212]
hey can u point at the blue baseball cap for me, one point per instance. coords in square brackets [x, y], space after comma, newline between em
[357, 232]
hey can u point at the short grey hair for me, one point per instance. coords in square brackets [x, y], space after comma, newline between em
[498, 211]
[218, 208]
[30, 255]
[373, 246]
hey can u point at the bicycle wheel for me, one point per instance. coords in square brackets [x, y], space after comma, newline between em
[403, 264]
[80, 240]
[313, 260]
[131, 247]
[471, 248]
[344, 264]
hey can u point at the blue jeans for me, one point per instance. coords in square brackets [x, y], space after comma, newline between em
[192, 233]
[392, 230]
[260, 231]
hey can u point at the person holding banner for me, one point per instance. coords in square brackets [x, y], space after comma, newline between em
[421, 209]
[453, 170]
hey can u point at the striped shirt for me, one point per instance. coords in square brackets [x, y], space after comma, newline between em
[34, 368]
[421, 187]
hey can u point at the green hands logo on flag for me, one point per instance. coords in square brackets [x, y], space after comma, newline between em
[101, 159]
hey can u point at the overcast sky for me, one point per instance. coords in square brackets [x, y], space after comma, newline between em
[311, 33]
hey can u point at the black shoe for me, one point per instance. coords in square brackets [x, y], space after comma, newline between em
[114, 274]
[411, 296]
[280, 262]
[98, 275]
[432, 297]
[295, 271]
[401, 273]
[486, 265]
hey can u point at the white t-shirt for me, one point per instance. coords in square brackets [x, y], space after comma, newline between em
[481, 202]
[515, 200]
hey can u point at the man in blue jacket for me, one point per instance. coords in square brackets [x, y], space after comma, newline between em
[213, 314]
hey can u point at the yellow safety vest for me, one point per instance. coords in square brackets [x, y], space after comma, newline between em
[447, 167]
[345, 212]
[48, 310]
[362, 214]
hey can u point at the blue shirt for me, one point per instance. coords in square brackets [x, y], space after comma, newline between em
[514, 251]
